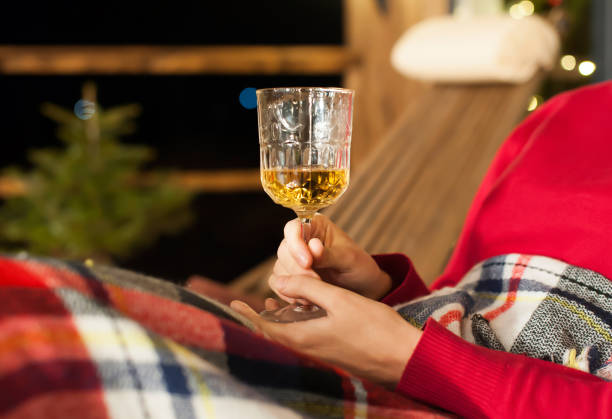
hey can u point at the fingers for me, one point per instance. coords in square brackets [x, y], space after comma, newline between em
[286, 265]
[339, 258]
[279, 269]
[293, 334]
[323, 257]
[310, 288]
[295, 245]
[277, 292]
[317, 249]
[282, 296]
[247, 312]
[260, 324]
[288, 260]
[294, 253]
[271, 304]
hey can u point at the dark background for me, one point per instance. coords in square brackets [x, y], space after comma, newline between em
[182, 22]
[194, 122]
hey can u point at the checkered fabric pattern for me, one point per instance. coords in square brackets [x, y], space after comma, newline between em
[97, 342]
[530, 305]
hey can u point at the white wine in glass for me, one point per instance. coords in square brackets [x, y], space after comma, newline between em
[305, 189]
[305, 140]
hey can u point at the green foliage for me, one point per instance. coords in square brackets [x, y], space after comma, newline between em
[90, 198]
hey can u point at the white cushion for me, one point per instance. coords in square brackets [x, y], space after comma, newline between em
[479, 49]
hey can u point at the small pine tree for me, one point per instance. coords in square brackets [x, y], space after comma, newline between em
[90, 198]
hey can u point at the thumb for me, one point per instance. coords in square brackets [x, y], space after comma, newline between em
[312, 289]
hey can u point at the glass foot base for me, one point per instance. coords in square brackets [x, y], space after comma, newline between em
[293, 313]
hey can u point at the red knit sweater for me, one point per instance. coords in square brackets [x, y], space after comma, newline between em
[548, 192]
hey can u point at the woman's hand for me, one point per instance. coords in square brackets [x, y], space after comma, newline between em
[364, 337]
[332, 255]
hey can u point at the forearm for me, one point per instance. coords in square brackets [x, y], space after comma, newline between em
[474, 381]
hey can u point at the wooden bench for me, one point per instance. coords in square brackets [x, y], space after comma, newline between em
[411, 194]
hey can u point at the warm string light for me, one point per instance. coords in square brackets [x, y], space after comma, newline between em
[568, 62]
[527, 7]
[521, 9]
[586, 68]
[534, 102]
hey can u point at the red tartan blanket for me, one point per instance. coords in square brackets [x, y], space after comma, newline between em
[96, 342]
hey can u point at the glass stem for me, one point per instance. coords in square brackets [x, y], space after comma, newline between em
[306, 225]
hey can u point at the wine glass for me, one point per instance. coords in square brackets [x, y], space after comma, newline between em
[305, 142]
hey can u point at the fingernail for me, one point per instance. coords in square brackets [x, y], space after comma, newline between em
[280, 282]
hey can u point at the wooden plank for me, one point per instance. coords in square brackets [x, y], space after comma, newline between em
[413, 210]
[427, 219]
[433, 240]
[416, 219]
[441, 231]
[213, 181]
[219, 181]
[11, 187]
[171, 60]
[382, 93]
[419, 144]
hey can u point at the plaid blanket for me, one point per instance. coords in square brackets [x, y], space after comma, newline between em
[530, 305]
[95, 342]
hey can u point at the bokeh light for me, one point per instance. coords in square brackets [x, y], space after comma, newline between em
[586, 68]
[568, 62]
[84, 109]
[527, 8]
[248, 98]
[534, 102]
[515, 12]
[521, 9]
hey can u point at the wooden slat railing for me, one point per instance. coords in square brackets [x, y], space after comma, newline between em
[174, 60]
[210, 181]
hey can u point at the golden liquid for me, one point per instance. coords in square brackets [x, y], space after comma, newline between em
[304, 189]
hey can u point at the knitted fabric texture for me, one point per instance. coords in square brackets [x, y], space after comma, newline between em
[531, 305]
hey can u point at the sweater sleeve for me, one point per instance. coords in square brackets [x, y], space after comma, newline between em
[406, 283]
[474, 381]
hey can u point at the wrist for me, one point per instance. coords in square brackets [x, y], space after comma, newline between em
[407, 340]
[382, 285]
